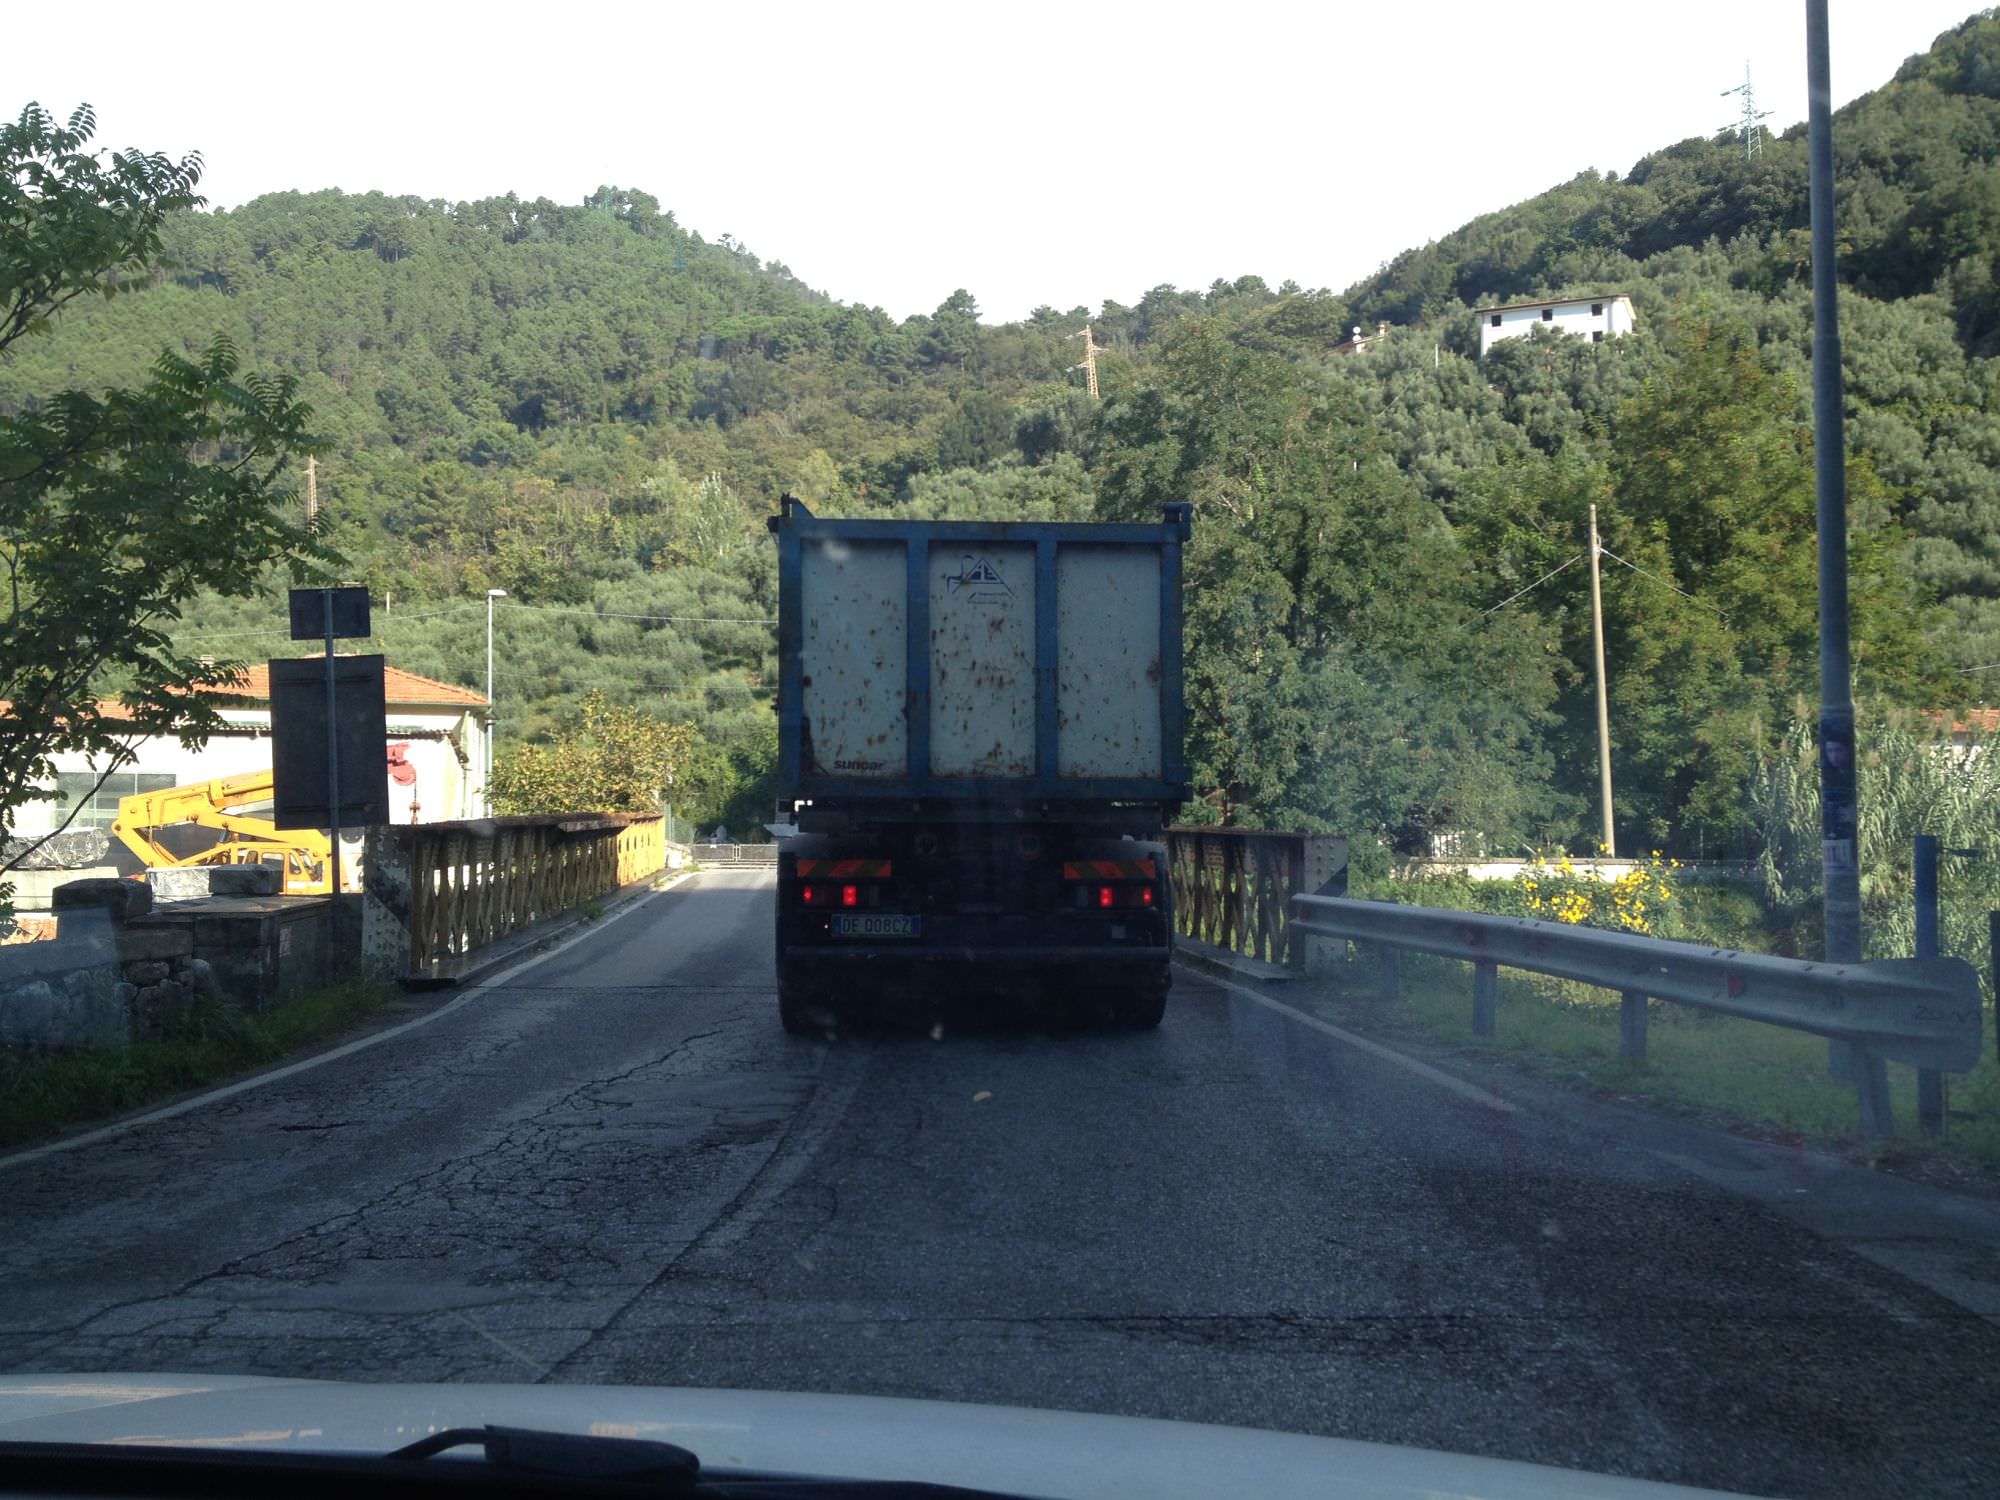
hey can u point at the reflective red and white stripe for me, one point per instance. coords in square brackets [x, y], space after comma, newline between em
[846, 869]
[1108, 869]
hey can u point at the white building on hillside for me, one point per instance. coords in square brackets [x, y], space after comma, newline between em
[1597, 318]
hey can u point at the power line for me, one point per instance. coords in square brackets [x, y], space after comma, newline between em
[1664, 583]
[279, 632]
[606, 614]
[1533, 586]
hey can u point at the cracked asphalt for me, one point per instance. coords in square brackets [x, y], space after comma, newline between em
[614, 1167]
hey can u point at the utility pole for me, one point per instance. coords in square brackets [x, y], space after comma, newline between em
[312, 496]
[1839, 819]
[1089, 365]
[1603, 697]
[1748, 121]
[492, 720]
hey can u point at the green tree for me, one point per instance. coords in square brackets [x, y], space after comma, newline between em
[607, 757]
[118, 508]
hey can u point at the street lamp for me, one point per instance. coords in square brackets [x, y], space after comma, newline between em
[486, 775]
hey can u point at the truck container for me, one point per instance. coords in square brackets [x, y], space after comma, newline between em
[980, 741]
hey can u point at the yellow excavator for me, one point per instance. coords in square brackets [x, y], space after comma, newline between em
[245, 840]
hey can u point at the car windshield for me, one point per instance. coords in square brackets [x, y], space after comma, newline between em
[1278, 718]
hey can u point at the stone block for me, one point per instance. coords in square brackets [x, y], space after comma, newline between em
[187, 884]
[145, 972]
[246, 880]
[28, 1015]
[101, 1019]
[72, 849]
[201, 980]
[246, 930]
[162, 940]
[124, 899]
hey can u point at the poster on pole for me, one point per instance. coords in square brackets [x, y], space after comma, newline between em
[299, 735]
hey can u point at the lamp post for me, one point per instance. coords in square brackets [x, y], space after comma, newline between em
[486, 773]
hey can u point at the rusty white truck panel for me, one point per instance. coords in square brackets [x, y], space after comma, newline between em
[1108, 669]
[854, 656]
[937, 661]
[983, 661]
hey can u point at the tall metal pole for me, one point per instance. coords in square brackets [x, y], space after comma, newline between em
[1603, 696]
[486, 774]
[1930, 1081]
[332, 761]
[1839, 847]
[486, 770]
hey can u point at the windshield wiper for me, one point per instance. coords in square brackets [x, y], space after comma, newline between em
[567, 1455]
[517, 1461]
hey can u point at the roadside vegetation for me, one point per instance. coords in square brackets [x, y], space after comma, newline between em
[44, 1094]
[1388, 623]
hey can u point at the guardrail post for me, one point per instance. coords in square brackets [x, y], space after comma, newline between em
[1392, 974]
[1485, 997]
[1930, 1082]
[1871, 1089]
[1632, 1026]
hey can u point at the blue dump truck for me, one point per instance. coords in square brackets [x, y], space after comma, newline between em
[980, 741]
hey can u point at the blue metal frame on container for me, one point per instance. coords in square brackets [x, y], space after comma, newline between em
[795, 525]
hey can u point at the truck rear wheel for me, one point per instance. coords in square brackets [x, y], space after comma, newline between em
[1143, 1006]
[803, 1009]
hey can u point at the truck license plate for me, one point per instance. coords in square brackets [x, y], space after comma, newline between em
[875, 926]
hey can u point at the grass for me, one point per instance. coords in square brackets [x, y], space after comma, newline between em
[43, 1094]
[1745, 1073]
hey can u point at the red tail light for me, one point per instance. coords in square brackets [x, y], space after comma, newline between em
[1146, 895]
[850, 895]
[809, 895]
[1106, 895]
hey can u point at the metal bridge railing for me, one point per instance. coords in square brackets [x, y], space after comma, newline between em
[1232, 886]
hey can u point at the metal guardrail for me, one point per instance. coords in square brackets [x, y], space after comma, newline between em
[1925, 1012]
[737, 854]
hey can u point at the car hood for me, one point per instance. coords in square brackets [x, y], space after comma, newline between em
[1012, 1449]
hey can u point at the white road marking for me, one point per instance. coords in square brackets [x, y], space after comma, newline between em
[1375, 1049]
[360, 1044]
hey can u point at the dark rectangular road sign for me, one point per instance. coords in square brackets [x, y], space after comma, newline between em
[298, 741]
[350, 613]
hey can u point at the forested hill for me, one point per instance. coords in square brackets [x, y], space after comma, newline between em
[593, 408]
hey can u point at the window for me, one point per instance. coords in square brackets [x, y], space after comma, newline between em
[1548, 315]
[100, 807]
[1597, 336]
[1496, 320]
[1597, 309]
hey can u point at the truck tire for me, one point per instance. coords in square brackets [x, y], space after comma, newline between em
[803, 1009]
[1142, 1007]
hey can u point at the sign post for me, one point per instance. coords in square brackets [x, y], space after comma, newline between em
[329, 614]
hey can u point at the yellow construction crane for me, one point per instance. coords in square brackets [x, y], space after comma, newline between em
[245, 840]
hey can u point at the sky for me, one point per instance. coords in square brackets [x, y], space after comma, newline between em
[1031, 153]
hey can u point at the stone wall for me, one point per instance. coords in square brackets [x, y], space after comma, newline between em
[99, 984]
[120, 969]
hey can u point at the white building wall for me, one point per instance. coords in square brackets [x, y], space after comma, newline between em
[444, 787]
[1613, 316]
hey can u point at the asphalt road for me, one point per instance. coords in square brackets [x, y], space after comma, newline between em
[615, 1167]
